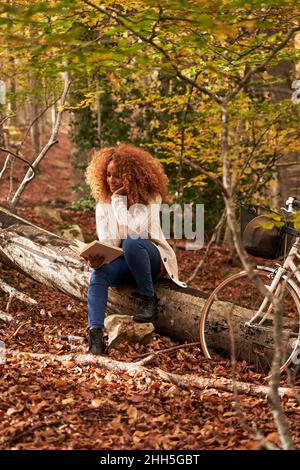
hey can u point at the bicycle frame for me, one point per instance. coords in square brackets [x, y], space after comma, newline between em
[280, 272]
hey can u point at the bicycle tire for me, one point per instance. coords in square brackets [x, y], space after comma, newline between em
[253, 343]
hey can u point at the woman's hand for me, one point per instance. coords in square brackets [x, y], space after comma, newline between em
[121, 191]
[95, 261]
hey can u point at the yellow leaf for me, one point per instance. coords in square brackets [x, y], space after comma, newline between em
[132, 412]
[160, 419]
[229, 413]
[97, 402]
[20, 424]
[67, 401]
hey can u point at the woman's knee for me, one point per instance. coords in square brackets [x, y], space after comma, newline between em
[131, 244]
[100, 275]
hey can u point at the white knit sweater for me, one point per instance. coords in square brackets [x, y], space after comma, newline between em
[114, 222]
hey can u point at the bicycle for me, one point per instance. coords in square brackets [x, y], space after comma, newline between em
[237, 315]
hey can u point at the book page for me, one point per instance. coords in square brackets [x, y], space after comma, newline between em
[97, 248]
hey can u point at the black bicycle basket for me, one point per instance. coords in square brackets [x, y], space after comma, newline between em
[257, 240]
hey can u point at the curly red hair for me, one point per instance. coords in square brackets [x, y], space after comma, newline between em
[142, 175]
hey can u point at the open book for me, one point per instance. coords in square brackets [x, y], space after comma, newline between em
[97, 248]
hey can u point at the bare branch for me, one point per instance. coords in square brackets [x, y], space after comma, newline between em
[52, 141]
[35, 120]
[15, 293]
[15, 156]
[256, 144]
[280, 419]
[174, 348]
[18, 329]
[6, 118]
[7, 161]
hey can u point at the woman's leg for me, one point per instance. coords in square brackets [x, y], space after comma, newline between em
[112, 274]
[143, 260]
[140, 264]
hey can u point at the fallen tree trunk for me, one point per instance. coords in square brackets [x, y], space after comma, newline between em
[41, 255]
[47, 258]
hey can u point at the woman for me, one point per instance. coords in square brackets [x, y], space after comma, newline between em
[129, 186]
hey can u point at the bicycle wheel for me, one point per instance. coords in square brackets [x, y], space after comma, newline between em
[225, 327]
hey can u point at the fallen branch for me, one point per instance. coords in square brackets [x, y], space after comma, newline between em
[19, 328]
[6, 317]
[86, 359]
[30, 430]
[174, 348]
[69, 338]
[132, 368]
[17, 294]
[188, 381]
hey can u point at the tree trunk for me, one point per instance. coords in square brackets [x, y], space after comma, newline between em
[47, 258]
[2, 135]
[34, 112]
[288, 168]
[41, 255]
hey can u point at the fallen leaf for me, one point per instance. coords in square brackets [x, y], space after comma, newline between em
[136, 398]
[160, 419]
[20, 424]
[229, 413]
[97, 402]
[67, 401]
[138, 436]
[68, 364]
[35, 409]
[60, 383]
[132, 412]
[274, 438]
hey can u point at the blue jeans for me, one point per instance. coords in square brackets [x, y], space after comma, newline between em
[139, 265]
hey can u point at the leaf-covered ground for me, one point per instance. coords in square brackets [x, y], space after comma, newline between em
[48, 405]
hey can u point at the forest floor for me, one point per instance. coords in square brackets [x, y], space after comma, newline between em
[48, 405]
